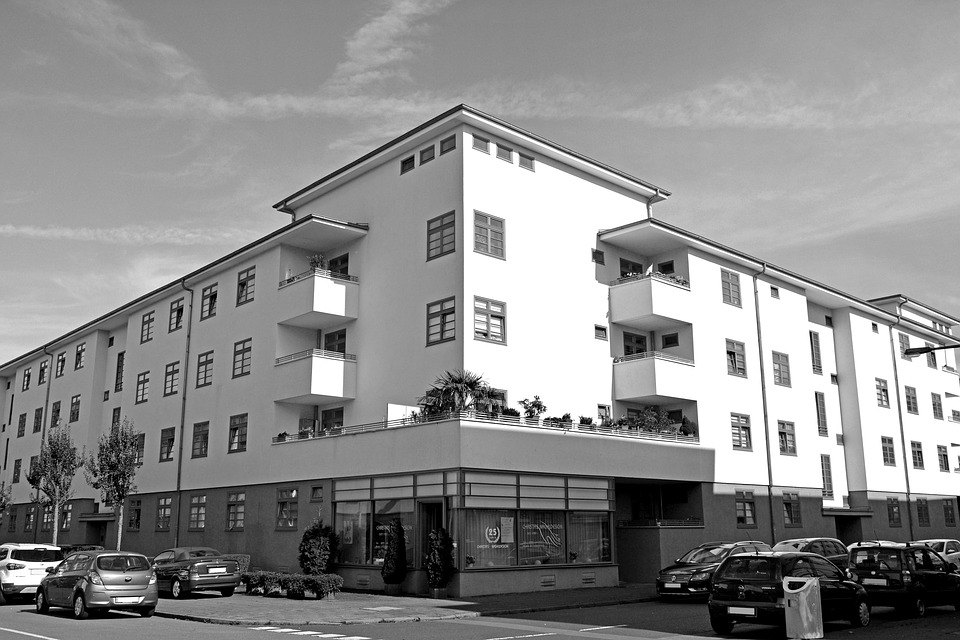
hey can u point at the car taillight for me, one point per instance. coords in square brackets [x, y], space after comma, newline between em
[153, 578]
[906, 577]
[13, 566]
[94, 578]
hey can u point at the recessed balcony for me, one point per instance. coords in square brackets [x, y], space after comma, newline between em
[316, 376]
[653, 377]
[317, 299]
[651, 302]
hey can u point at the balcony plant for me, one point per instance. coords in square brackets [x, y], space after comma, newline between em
[317, 261]
[282, 436]
[533, 408]
[453, 392]
[439, 562]
[394, 568]
[586, 421]
[688, 427]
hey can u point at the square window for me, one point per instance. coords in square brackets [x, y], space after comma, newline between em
[597, 256]
[736, 359]
[669, 340]
[335, 341]
[599, 332]
[238, 434]
[246, 281]
[339, 266]
[242, 354]
[774, 292]
[489, 320]
[527, 162]
[505, 153]
[448, 144]
[441, 235]
[331, 419]
[441, 321]
[316, 494]
[730, 287]
[488, 234]
[208, 303]
[481, 144]
[407, 164]
[426, 155]
[828, 320]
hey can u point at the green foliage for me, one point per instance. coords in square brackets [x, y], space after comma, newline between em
[394, 568]
[455, 391]
[533, 408]
[317, 546]
[295, 584]
[54, 471]
[242, 560]
[586, 420]
[439, 560]
[112, 468]
[509, 411]
[4, 496]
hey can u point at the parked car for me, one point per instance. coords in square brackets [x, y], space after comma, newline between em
[692, 572]
[830, 548]
[946, 547]
[749, 589]
[70, 548]
[868, 543]
[909, 577]
[23, 566]
[95, 581]
[183, 570]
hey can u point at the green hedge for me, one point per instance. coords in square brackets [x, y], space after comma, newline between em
[272, 583]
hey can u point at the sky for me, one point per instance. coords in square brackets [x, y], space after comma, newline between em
[140, 140]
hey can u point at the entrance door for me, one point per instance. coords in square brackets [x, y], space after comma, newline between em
[431, 517]
[634, 343]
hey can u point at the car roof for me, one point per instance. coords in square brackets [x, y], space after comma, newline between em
[28, 545]
[179, 549]
[925, 540]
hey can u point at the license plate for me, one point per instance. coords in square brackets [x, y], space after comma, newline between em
[671, 585]
[126, 600]
[742, 611]
[217, 570]
[877, 581]
[37, 572]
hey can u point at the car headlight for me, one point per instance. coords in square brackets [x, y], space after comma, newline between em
[700, 576]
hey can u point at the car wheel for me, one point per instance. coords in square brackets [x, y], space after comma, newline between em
[80, 611]
[861, 616]
[176, 589]
[226, 593]
[917, 607]
[146, 612]
[42, 605]
[3, 598]
[721, 624]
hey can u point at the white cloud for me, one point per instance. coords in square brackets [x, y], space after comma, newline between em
[132, 235]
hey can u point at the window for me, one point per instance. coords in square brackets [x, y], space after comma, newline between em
[488, 234]
[316, 494]
[634, 343]
[115, 418]
[916, 451]
[167, 437]
[61, 364]
[448, 144]
[42, 375]
[597, 256]
[176, 315]
[118, 380]
[820, 401]
[171, 378]
[16, 470]
[828, 320]
[428, 154]
[441, 321]
[134, 513]
[238, 434]
[893, 512]
[787, 437]
[781, 369]
[791, 510]
[29, 521]
[603, 412]
[889, 456]
[666, 268]
[441, 235]
[599, 332]
[489, 320]
[146, 326]
[37, 420]
[740, 430]
[949, 514]
[208, 302]
[526, 162]
[198, 513]
[746, 509]
[335, 341]
[26, 379]
[242, 352]
[201, 439]
[143, 387]
[287, 508]
[937, 403]
[164, 508]
[629, 268]
[730, 285]
[407, 164]
[827, 473]
[141, 443]
[815, 352]
[904, 345]
[32, 465]
[339, 265]
[80, 356]
[505, 153]
[883, 394]
[481, 144]
[331, 419]
[54, 414]
[235, 508]
[923, 512]
[205, 369]
[66, 517]
[874, 327]
[912, 405]
[22, 425]
[943, 458]
[12, 525]
[774, 292]
[246, 280]
[74, 408]
[736, 359]
[668, 340]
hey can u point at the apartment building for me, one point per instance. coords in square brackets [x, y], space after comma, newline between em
[279, 383]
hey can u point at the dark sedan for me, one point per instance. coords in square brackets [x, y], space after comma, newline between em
[692, 573]
[183, 570]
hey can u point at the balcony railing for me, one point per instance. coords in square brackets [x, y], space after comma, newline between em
[950, 369]
[324, 273]
[675, 280]
[659, 355]
[479, 416]
[309, 353]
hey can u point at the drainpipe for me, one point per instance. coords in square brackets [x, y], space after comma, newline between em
[763, 396]
[894, 354]
[43, 437]
[183, 409]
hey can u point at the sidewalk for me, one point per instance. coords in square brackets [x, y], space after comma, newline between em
[364, 608]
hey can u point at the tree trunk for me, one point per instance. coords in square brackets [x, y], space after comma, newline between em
[118, 511]
[55, 503]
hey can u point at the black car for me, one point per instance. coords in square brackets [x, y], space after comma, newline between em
[909, 577]
[692, 573]
[183, 570]
[749, 588]
[830, 548]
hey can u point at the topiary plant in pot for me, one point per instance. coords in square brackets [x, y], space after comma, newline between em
[394, 568]
[439, 562]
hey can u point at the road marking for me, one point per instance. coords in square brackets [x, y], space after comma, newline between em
[612, 626]
[353, 638]
[529, 635]
[303, 633]
[382, 608]
[328, 635]
[263, 628]
[281, 630]
[24, 633]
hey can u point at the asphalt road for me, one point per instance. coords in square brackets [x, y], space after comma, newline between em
[625, 622]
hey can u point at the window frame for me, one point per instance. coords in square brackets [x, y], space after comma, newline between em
[408, 164]
[80, 356]
[526, 161]
[242, 357]
[888, 451]
[748, 512]
[781, 369]
[730, 288]
[741, 432]
[164, 513]
[792, 511]
[142, 393]
[826, 473]
[894, 516]
[911, 400]
[200, 443]
[481, 144]
[734, 365]
[290, 497]
[236, 510]
[444, 228]
[175, 319]
[447, 316]
[483, 317]
[171, 379]
[674, 339]
[427, 154]
[504, 153]
[484, 225]
[197, 512]
[147, 322]
[74, 408]
[446, 147]
[237, 433]
[205, 369]
[246, 285]
[208, 301]
[820, 404]
[936, 402]
[168, 441]
[916, 454]
[787, 437]
[883, 393]
[943, 458]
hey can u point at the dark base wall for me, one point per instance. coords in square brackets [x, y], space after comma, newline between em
[879, 527]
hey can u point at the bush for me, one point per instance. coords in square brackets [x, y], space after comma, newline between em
[507, 411]
[271, 583]
[317, 547]
[586, 420]
[242, 560]
[439, 560]
[394, 568]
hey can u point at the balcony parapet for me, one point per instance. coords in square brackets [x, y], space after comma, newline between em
[659, 355]
[320, 353]
[674, 280]
[323, 273]
[948, 369]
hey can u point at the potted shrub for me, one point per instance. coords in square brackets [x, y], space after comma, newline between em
[586, 421]
[439, 562]
[317, 261]
[282, 436]
[394, 568]
[533, 408]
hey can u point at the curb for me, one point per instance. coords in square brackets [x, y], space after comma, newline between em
[559, 607]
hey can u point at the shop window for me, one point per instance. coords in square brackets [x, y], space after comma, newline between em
[542, 537]
[588, 537]
[352, 523]
[489, 538]
[385, 512]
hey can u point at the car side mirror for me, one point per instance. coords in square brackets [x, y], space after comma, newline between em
[51, 569]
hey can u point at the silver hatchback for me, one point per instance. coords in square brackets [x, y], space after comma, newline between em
[91, 581]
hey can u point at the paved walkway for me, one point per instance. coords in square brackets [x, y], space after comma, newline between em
[357, 608]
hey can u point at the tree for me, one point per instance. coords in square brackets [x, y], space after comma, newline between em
[317, 546]
[455, 391]
[439, 560]
[533, 408]
[4, 496]
[394, 568]
[113, 467]
[54, 471]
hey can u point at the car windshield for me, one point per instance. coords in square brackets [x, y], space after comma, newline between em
[749, 568]
[789, 545]
[936, 546]
[37, 555]
[202, 553]
[122, 563]
[701, 555]
[876, 559]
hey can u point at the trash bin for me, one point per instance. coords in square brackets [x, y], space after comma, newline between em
[802, 607]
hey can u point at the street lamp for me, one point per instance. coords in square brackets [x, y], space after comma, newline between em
[919, 351]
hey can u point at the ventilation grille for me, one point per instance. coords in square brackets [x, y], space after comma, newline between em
[548, 581]
[588, 578]
[363, 580]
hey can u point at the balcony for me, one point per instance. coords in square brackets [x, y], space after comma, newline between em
[317, 299]
[653, 377]
[316, 376]
[651, 302]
